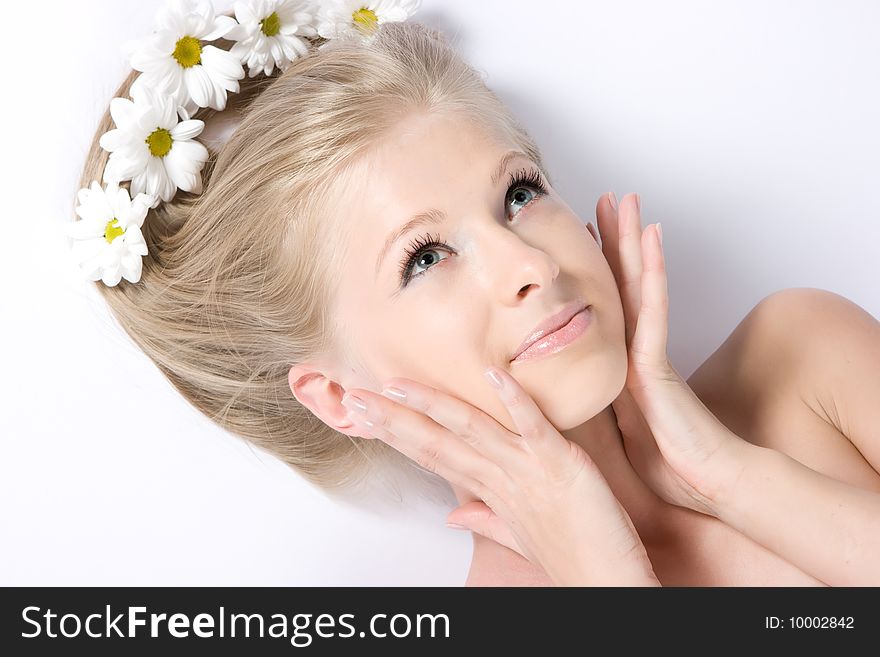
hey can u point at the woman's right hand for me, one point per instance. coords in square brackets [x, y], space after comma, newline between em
[560, 511]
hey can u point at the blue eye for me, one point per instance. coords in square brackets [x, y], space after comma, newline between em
[422, 246]
[523, 191]
[519, 184]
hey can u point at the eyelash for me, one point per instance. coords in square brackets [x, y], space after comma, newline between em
[522, 178]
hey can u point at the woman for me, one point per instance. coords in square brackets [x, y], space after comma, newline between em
[288, 282]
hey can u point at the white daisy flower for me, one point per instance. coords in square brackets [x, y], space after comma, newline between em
[339, 18]
[108, 240]
[173, 60]
[152, 148]
[269, 33]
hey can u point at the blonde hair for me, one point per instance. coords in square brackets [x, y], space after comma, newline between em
[238, 282]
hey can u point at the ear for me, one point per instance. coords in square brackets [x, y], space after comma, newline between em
[592, 229]
[322, 396]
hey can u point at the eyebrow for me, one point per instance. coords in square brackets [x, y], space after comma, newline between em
[435, 216]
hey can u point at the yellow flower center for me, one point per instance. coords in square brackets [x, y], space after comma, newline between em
[271, 25]
[159, 142]
[112, 230]
[365, 20]
[188, 51]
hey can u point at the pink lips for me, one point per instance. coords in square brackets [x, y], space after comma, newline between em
[556, 332]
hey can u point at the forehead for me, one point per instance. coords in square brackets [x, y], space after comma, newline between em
[423, 150]
[427, 161]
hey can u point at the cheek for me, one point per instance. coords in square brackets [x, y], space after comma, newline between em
[581, 255]
[425, 344]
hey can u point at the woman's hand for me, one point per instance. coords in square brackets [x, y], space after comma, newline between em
[678, 447]
[559, 509]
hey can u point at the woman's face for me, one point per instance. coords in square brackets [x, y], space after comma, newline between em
[507, 258]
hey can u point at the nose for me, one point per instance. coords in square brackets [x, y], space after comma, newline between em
[516, 268]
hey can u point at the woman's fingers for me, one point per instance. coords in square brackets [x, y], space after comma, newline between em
[621, 230]
[479, 518]
[542, 485]
[471, 425]
[423, 440]
[606, 217]
[458, 441]
[649, 339]
[630, 255]
[538, 436]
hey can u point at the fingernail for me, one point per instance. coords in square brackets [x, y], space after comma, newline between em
[394, 393]
[452, 525]
[612, 199]
[353, 403]
[660, 233]
[493, 378]
[639, 202]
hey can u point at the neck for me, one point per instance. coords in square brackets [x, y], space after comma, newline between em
[601, 439]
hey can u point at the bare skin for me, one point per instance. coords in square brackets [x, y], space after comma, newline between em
[506, 266]
[771, 388]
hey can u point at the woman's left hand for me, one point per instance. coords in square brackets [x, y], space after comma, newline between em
[538, 484]
[678, 447]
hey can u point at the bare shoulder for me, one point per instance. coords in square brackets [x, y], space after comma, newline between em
[749, 366]
[799, 374]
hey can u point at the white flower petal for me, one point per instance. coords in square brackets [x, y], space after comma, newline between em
[190, 107]
[222, 62]
[190, 151]
[123, 112]
[100, 205]
[148, 59]
[83, 194]
[139, 208]
[173, 15]
[164, 184]
[221, 27]
[122, 166]
[131, 264]
[239, 50]
[165, 41]
[172, 163]
[113, 139]
[111, 275]
[275, 49]
[196, 186]
[198, 84]
[168, 112]
[134, 241]
[243, 13]
[187, 129]
[149, 181]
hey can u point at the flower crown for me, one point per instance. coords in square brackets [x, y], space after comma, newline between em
[153, 144]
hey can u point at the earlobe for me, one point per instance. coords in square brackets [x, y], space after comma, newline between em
[322, 396]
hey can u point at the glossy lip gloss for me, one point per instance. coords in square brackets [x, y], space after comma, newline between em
[560, 338]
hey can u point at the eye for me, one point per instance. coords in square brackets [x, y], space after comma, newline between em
[520, 193]
[524, 187]
[425, 254]
[424, 245]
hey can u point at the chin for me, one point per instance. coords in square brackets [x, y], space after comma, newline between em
[573, 386]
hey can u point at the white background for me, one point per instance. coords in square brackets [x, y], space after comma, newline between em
[749, 128]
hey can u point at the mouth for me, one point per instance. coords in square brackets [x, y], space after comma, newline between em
[556, 332]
